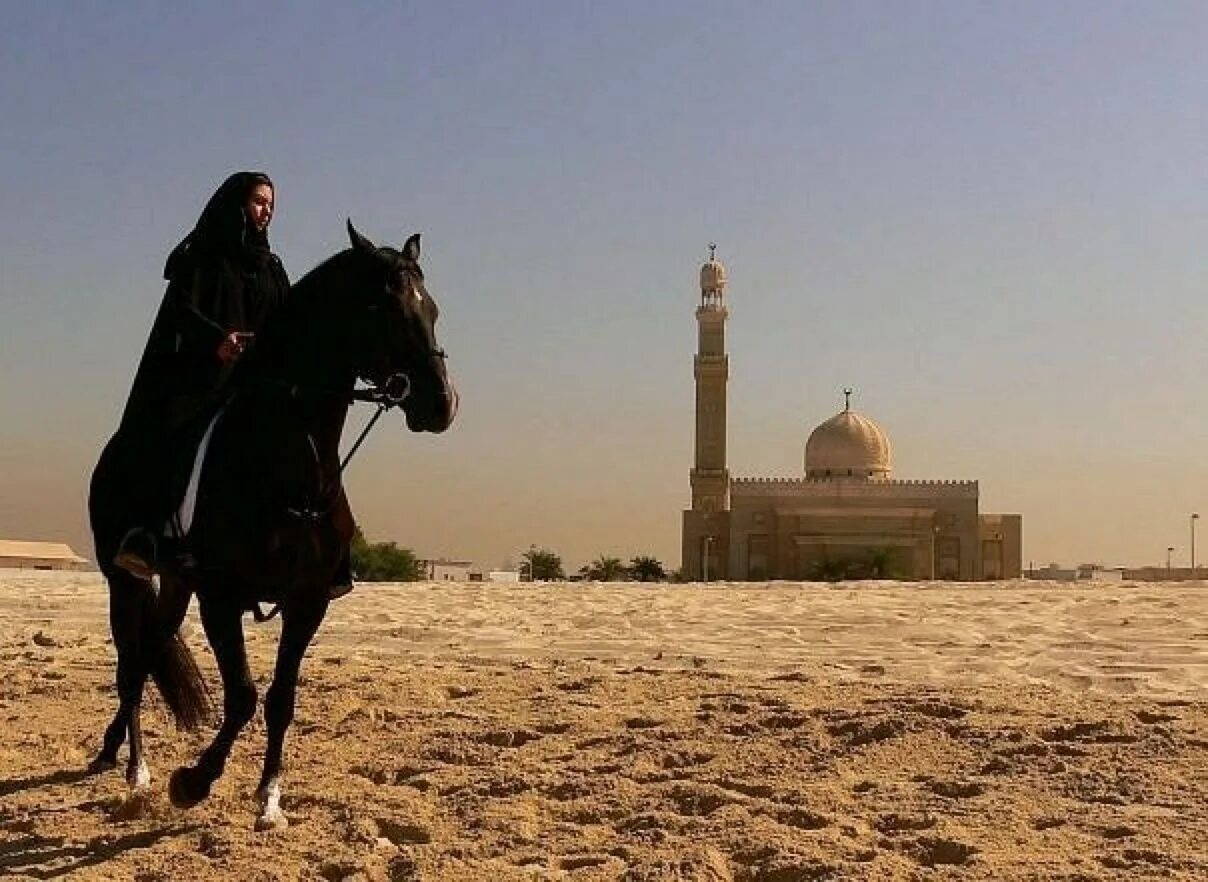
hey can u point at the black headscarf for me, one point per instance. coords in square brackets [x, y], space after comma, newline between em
[223, 229]
[222, 277]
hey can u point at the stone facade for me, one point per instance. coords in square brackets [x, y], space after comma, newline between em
[847, 518]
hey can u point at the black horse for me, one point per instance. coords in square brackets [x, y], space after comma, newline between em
[270, 521]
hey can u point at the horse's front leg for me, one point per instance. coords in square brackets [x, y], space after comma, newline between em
[298, 627]
[223, 625]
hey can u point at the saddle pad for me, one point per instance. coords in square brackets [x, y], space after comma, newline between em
[179, 525]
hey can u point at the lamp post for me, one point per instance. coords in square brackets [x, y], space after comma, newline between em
[1169, 551]
[1194, 517]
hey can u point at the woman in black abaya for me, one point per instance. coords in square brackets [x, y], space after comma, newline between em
[224, 283]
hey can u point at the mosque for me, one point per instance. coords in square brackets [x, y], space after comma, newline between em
[847, 517]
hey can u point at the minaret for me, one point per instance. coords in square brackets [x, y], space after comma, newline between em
[709, 476]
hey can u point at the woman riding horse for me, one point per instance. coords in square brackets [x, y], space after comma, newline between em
[224, 284]
[264, 528]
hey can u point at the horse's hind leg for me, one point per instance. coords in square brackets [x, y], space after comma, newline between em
[189, 785]
[125, 611]
[173, 603]
[298, 627]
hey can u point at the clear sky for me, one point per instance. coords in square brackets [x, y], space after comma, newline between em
[988, 218]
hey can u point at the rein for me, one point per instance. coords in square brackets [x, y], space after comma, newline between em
[392, 394]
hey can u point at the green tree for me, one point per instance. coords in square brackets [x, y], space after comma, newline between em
[604, 569]
[542, 564]
[829, 569]
[881, 565]
[644, 568]
[384, 561]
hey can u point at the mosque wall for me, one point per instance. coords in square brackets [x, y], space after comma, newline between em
[1000, 537]
[706, 533]
[805, 529]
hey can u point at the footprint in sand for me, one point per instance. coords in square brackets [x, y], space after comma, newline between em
[509, 737]
[583, 861]
[643, 723]
[934, 851]
[1152, 717]
[869, 731]
[803, 819]
[403, 833]
[695, 800]
[1047, 822]
[896, 823]
[956, 789]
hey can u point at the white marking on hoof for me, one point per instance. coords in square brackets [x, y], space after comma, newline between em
[271, 816]
[140, 778]
[271, 820]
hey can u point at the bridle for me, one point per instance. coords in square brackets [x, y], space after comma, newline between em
[392, 393]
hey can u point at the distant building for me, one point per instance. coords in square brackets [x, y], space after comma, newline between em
[15, 554]
[448, 570]
[1166, 574]
[1052, 573]
[847, 517]
[477, 574]
[1088, 572]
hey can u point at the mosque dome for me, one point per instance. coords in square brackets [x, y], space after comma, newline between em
[848, 445]
[712, 275]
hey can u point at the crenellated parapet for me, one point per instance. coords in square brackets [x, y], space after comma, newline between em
[846, 487]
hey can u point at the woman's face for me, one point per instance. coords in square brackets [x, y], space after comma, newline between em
[259, 206]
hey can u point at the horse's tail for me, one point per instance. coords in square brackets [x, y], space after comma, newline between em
[170, 662]
[145, 629]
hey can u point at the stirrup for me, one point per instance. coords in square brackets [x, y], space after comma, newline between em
[131, 560]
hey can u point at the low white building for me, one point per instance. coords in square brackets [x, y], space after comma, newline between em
[445, 570]
[22, 555]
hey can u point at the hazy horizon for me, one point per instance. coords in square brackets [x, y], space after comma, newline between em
[986, 219]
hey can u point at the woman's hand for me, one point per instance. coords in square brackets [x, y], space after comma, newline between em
[233, 346]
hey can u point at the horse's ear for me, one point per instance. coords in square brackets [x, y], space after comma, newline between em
[359, 242]
[411, 249]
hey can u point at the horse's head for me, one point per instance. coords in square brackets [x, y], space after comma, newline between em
[402, 357]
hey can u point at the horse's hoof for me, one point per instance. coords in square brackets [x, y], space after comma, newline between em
[102, 764]
[136, 805]
[271, 820]
[186, 788]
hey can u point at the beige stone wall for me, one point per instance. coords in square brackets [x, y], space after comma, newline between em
[1001, 540]
[697, 526]
[787, 529]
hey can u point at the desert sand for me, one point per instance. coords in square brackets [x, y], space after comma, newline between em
[772, 732]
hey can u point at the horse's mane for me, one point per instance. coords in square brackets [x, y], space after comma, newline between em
[307, 284]
[297, 315]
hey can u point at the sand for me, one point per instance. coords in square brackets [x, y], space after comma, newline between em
[772, 732]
